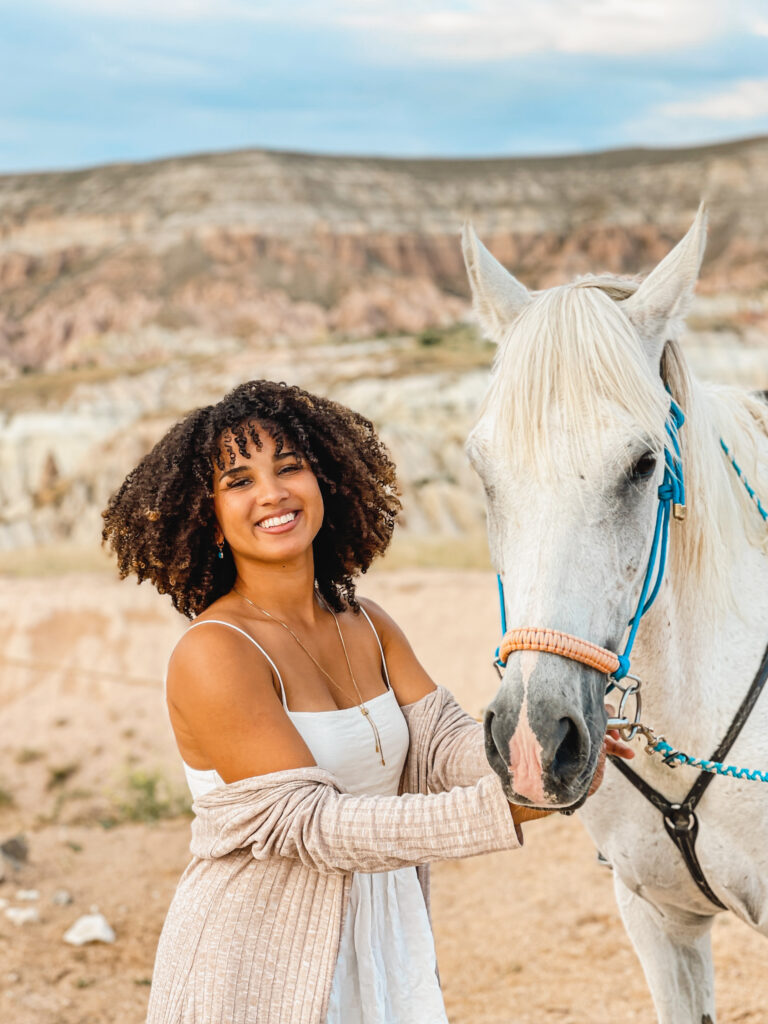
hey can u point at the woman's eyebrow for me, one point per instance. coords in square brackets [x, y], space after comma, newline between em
[233, 470]
[284, 455]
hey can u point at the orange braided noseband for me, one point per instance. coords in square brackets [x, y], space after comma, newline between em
[552, 641]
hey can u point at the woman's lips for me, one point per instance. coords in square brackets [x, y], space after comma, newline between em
[279, 527]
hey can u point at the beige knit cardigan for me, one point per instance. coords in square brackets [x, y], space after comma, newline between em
[253, 931]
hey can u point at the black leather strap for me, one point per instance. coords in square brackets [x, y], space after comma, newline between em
[651, 795]
[680, 820]
[682, 827]
[697, 789]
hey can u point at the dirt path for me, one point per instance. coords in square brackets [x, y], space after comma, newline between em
[526, 937]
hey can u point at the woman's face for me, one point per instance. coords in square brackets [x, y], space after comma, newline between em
[268, 505]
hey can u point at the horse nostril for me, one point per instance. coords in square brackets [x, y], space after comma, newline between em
[568, 754]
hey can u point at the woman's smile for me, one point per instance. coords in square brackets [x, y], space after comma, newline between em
[279, 523]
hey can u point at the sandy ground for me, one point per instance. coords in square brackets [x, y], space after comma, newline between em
[87, 760]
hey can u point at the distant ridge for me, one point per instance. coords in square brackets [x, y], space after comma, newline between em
[265, 244]
[620, 155]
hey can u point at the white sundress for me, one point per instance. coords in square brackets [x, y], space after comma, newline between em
[386, 972]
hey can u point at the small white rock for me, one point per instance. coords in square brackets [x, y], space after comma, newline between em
[61, 898]
[27, 894]
[89, 928]
[22, 915]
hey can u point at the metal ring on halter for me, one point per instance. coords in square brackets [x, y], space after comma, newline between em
[626, 728]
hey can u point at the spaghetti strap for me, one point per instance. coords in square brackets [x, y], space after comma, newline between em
[378, 641]
[221, 622]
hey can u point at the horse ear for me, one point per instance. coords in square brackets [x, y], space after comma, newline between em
[661, 302]
[497, 297]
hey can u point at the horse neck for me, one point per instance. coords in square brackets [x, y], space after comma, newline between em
[697, 661]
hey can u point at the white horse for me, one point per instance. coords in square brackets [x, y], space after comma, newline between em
[569, 445]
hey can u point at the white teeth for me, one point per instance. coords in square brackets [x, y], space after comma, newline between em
[278, 520]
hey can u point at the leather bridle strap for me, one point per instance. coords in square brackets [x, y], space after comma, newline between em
[680, 820]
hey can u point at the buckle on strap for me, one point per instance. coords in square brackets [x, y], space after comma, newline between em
[680, 818]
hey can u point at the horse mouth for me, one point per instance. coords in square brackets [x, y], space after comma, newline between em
[567, 798]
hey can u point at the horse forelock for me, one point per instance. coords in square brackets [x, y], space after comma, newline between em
[572, 352]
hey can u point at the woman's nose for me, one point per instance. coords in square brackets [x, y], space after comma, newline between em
[271, 490]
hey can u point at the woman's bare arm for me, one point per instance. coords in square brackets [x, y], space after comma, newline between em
[223, 692]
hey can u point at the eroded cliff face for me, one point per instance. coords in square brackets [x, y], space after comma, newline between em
[133, 293]
[266, 246]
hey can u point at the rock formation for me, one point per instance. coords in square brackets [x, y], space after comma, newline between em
[132, 293]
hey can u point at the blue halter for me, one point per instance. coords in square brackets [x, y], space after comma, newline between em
[671, 494]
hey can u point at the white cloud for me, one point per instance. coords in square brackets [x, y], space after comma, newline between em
[498, 29]
[746, 100]
[754, 17]
[464, 30]
[154, 10]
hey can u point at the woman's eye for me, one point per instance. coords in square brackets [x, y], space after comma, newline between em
[643, 467]
[289, 469]
[237, 483]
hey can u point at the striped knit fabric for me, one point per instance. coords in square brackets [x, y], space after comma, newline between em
[252, 934]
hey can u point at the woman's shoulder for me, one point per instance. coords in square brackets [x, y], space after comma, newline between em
[386, 627]
[224, 629]
[216, 653]
[233, 628]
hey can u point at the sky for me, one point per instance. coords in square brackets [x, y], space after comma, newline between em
[97, 81]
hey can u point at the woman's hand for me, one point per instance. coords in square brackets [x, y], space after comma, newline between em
[614, 746]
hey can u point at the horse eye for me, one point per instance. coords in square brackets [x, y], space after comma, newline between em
[643, 467]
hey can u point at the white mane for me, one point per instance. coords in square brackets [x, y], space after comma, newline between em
[572, 346]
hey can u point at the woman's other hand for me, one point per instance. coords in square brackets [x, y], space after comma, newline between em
[616, 747]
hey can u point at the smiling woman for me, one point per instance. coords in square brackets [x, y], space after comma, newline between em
[326, 766]
[162, 523]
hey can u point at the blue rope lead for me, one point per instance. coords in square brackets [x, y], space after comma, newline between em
[750, 490]
[496, 658]
[674, 757]
[671, 496]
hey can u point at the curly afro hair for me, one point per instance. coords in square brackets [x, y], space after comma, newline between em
[161, 522]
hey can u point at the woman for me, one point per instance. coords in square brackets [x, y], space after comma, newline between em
[325, 764]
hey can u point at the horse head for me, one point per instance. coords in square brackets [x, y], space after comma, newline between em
[569, 444]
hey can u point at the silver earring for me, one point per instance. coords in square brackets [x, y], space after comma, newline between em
[220, 546]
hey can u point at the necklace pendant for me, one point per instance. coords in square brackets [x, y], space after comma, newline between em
[363, 710]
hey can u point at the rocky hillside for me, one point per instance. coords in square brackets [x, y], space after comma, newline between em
[131, 293]
[274, 245]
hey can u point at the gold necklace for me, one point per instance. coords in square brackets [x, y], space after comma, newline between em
[361, 706]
